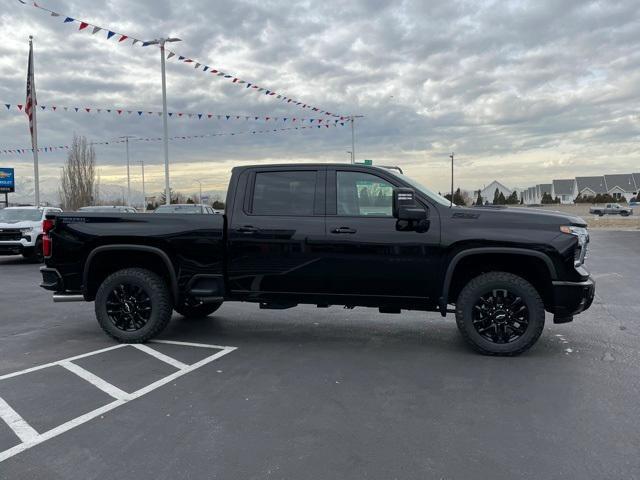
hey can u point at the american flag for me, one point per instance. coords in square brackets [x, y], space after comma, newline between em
[30, 103]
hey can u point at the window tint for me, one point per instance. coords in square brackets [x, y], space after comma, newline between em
[284, 193]
[363, 194]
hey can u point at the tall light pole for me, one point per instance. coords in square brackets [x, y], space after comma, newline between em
[126, 141]
[165, 126]
[353, 139]
[144, 195]
[451, 157]
[200, 183]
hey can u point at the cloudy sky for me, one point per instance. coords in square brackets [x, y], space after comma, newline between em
[521, 91]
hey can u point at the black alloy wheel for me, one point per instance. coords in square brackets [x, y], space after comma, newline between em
[129, 307]
[133, 305]
[500, 313]
[500, 316]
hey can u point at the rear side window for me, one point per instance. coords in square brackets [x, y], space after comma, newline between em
[284, 193]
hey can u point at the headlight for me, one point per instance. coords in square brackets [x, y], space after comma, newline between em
[583, 241]
[26, 231]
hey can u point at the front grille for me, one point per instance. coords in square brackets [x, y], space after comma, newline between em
[7, 235]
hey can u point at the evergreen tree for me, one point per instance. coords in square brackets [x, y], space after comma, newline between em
[496, 197]
[479, 200]
[501, 199]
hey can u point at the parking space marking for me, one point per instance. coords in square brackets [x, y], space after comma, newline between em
[30, 437]
[22, 429]
[95, 380]
[161, 356]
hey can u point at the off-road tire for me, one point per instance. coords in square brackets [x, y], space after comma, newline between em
[198, 311]
[486, 282]
[157, 291]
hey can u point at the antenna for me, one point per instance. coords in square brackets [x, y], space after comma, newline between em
[451, 199]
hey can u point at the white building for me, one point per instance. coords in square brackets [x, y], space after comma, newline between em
[590, 186]
[565, 190]
[621, 185]
[489, 191]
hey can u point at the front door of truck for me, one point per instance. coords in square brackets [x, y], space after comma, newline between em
[366, 255]
[275, 232]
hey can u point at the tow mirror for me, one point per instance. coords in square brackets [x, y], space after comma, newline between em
[405, 206]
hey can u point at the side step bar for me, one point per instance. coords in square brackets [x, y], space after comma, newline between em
[61, 298]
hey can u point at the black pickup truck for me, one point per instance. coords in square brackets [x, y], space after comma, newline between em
[329, 234]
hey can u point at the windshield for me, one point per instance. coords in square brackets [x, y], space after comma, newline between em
[417, 186]
[179, 209]
[14, 215]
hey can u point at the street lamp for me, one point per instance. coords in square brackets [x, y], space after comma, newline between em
[126, 141]
[350, 156]
[165, 126]
[144, 196]
[200, 183]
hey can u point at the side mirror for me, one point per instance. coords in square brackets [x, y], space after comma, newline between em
[405, 206]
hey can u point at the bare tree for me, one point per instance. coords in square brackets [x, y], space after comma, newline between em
[78, 175]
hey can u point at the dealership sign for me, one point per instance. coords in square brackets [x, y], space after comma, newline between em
[7, 180]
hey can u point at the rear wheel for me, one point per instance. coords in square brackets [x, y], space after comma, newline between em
[198, 311]
[499, 313]
[133, 305]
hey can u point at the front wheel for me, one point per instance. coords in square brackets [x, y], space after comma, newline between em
[133, 305]
[499, 313]
[198, 311]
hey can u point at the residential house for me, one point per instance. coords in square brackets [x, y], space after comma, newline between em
[533, 198]
[590, 186]
[621, 185]
[564, 190]
[543, 188]
[489, 191]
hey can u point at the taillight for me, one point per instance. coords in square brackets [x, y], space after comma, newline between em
[47, 225]
[46, 246]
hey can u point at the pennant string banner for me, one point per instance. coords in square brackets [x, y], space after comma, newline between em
[200, 116]
[49, 149]
[122, 37]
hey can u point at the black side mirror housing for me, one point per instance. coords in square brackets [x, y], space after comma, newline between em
[405, 206]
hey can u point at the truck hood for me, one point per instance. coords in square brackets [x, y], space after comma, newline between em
[24, 224]
[525, 215]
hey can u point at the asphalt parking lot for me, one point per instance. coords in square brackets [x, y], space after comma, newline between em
[312, 393]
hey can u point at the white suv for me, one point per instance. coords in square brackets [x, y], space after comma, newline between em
[21, 230]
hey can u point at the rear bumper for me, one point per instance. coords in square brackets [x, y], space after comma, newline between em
[572, 298]
[52, 280]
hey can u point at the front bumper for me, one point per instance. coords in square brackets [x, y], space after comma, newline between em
[572, 298]
[11, 248]
[16, 247]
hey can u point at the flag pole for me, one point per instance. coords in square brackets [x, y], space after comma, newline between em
[34, 131]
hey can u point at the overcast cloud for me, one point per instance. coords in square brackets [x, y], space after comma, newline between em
[523, 92]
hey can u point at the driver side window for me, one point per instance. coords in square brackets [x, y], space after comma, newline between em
[363, 194]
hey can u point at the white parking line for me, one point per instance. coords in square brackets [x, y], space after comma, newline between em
[95, 380]
[22, 429]
[161, 356]
[30, 438]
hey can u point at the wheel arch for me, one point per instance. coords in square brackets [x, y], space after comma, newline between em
[107, 259]
[540, 272]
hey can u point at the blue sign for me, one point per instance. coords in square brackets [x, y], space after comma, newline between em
[7, 180]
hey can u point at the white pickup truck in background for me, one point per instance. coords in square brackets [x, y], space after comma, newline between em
[21, 231]
[611, 209]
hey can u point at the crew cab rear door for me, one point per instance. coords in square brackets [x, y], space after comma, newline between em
[275, 231]
[366, 255]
